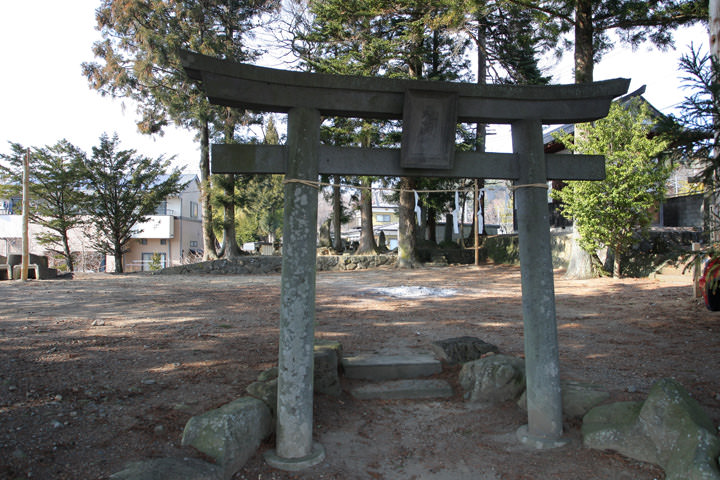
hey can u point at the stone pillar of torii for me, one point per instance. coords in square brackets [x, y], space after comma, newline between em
[430, 111]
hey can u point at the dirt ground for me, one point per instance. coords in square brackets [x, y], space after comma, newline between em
[100, 370]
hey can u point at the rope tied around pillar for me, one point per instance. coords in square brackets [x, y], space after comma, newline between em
[528, 185]
[318, 185]
[309, 183]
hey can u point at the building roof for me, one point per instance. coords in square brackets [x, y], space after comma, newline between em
[553, 146]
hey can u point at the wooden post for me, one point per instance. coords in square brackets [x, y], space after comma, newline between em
[476, 237]
[697, 266]
[25, 218]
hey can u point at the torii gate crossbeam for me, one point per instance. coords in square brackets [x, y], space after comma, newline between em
[430, 111]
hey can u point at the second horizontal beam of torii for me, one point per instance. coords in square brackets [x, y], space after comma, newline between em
[254, 159]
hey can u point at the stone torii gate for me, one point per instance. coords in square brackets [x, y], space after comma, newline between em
[430, 112]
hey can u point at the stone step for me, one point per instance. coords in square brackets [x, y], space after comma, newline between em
[390, 367]
[403, 389]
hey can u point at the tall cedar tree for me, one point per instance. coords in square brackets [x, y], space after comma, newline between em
[419, 40]
[123, 189]
[139, 60]
[634, 21]
[611, 212]
[56, 179]
[398, 39]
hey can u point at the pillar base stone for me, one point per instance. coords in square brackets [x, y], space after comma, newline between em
[537, 442]
[296, 464]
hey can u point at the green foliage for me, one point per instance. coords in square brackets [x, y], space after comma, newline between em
[124, 188]
[609, 213]
[138, 58]
[139, 54]
[261, 198]
[155, 262]
[55, 181]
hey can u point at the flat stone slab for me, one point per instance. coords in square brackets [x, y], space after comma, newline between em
[403, 389]
[390, 367]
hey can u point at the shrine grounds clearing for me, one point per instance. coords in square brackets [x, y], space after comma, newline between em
[104, 369]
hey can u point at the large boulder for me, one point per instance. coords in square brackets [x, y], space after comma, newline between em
[461, 349]
[169, 469]
[230, 434]
[493, 379]
[577, 398]
[669, 429]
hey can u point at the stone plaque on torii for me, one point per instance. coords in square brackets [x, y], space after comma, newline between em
[430, 111]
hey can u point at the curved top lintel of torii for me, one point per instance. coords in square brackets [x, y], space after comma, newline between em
[264, 89]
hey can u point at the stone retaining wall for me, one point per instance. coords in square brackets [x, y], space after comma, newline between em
[272, 264]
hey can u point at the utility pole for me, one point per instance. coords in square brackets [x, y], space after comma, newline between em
[476, 236]
[25, 218]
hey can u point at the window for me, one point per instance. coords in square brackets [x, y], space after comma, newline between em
[163, 241]
[161, 209]
[194, 210]
[151, 261]
[143, 241]
[382, 218]
[193, 244]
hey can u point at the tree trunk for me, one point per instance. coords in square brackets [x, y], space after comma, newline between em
[714, 11]
[616, 262]
[337, 216]
[209, 251]
[580, 265]
[230, 247]
[406, 224]
[367, 239]
[118, 254]
[480, 128]
[584, 52]
[431, 225]
[67, 253]
[714, 26]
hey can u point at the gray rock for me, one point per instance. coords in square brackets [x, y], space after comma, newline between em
[461, 349]
[265, 391]
[269, 374]
[325, 374]
[577, 398]
[493, 379]
[230, 434]
[669, 429]
[323, 344]
[169, 469]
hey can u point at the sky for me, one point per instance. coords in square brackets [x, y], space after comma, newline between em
[44, 97]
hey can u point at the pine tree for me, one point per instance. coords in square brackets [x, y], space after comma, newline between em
[139, 55]
[123, 189]
[56, 180]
